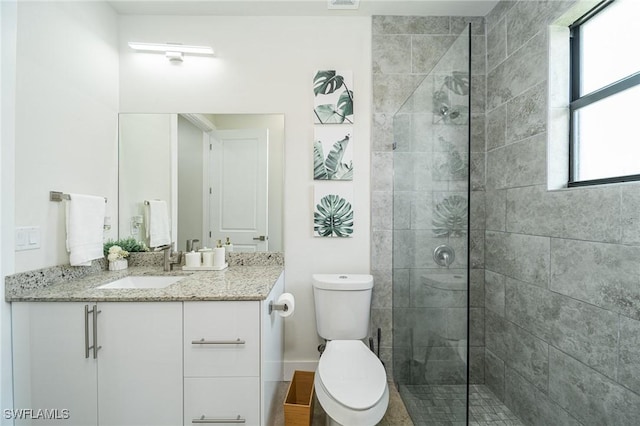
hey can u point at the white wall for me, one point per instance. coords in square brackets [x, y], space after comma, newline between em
[58, 124]
[266, 65]
[8, 17]
[66, 117]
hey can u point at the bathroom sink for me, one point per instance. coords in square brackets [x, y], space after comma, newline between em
[142, 282]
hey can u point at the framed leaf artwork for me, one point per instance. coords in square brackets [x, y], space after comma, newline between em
[333, 153]
[333, 97]
[333, 210]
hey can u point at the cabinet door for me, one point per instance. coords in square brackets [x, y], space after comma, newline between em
[210, 332]
[222, 400]
[50, 369]
[140, 363]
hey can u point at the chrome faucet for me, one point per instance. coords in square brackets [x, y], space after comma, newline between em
[169, 262]
[191, 245]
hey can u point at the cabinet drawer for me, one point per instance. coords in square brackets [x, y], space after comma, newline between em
[213, 400]
[221, 339]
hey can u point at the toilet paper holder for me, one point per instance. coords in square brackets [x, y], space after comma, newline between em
[277, 307]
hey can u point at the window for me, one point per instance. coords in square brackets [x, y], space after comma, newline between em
[605, 95]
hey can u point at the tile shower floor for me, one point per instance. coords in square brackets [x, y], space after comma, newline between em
[441, 405]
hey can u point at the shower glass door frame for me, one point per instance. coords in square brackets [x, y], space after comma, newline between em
[431, 261]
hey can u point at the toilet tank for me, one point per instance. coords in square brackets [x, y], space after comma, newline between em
[343, 305]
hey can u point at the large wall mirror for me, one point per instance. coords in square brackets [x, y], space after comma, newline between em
[221, 176]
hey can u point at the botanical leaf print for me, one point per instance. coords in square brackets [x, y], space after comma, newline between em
[319, 169]
[326, 82]
[333, 168]
[450, 217]
[333, 217]
[458, 83]
[333, 103]
[328, 114]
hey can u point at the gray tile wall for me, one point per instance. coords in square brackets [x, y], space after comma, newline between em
[562, 278]
[557, 309]
[405, 50]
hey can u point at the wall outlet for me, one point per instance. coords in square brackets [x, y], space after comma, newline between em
[136, 224]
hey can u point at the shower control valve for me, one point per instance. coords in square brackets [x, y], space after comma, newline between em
[444, 255]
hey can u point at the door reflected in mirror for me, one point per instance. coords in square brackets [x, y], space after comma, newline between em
[221, 176]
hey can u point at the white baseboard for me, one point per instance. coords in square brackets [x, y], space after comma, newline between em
[291, 366]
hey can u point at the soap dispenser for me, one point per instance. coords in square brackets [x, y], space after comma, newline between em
[228, 246]
[218, 255]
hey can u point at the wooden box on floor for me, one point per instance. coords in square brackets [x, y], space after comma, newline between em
[298, 406]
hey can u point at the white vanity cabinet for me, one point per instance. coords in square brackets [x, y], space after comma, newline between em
[140, 364]
[134, 379]
[232, 360]
[222, 361]
[50, 370]
[155, 363]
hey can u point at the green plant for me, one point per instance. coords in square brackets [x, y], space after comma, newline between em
[130, 245]
[333, 217]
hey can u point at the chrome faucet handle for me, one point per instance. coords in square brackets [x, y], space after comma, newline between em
[444, 255]
[168, 263]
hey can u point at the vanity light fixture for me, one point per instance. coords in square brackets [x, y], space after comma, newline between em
[343, 4]
[173, 51]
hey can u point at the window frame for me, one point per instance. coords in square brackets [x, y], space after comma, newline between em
[576, 101]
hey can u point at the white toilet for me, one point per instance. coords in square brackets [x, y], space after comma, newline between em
[350, 382]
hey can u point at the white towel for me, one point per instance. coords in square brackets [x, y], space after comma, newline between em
[85, 228]
[158, 223]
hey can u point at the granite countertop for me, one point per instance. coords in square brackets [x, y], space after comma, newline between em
[237, 282]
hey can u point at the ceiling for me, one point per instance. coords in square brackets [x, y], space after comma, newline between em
[302, 7]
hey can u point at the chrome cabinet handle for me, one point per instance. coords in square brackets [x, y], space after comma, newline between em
[261, 238]
[95, 331]
[94, 311]
[203, 419]
[86, 331]
[238, 341]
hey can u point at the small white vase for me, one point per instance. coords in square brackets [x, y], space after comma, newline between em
[118, 265]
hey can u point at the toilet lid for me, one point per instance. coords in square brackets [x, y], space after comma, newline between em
[352, 374]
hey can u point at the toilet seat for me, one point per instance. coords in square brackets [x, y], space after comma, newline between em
[352, 374]
[351, 384]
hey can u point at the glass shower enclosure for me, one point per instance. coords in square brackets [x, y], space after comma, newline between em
[431, 242]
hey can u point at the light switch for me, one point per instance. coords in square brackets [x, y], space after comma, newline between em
[34, 237]
[27, 238]
[21, 239]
